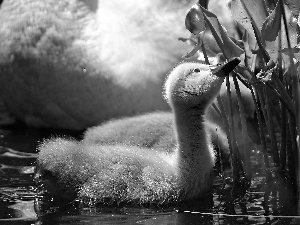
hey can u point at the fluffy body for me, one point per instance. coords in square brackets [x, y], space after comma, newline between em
[152, 130]
[124, 172]
[109, 174]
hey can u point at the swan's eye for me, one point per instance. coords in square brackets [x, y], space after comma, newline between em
[196, 70]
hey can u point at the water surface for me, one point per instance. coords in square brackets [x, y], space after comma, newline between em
[20, 205]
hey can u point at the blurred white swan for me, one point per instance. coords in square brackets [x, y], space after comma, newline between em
[72, 64]
[75, 63]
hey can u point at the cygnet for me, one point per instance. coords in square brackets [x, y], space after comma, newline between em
[123, 173]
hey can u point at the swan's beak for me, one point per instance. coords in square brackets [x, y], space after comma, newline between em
[224, 69]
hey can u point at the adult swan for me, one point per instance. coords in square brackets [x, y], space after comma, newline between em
[75, 63]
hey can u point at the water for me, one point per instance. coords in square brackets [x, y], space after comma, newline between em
[20, 205]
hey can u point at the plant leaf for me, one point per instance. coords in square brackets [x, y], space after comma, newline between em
[204, 3]
[271, 78]
[196, 48]
[242, 16]
[272, 25]
[194, 20]
[225, 43]
[258, 11]
[250, 58]
[294, 6]
[295, 50]
[251, 14]
[273, 31]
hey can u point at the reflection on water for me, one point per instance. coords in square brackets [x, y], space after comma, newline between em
[19, 204]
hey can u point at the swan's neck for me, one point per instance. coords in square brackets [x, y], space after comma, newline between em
[191, 136]
[195, 155]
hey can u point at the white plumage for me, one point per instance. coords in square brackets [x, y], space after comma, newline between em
[76, 63]
[124, 172]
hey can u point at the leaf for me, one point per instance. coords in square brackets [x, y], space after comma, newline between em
[204, 3]
[294, 6]
[225, 43]
[270, 4]
[191, 40]
[194, 20]
[196, 48]
[270, 77]
[246, 73]
[273, 32]
[250, 57]
[295, 50]
[243, 16]
[272, 25]
[251, 14]
[257, 10]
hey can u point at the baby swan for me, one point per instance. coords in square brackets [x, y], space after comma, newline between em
[121, 173]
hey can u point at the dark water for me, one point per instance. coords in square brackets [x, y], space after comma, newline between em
[20, 205]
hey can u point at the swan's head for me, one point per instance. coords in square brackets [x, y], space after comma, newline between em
[191, 84]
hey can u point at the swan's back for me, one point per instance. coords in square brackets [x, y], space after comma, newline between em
[69, 64]
[152, 130]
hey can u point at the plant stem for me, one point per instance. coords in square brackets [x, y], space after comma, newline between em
[296, 94]
[236, 158]
[259, 111]
[270, 125]
[246, 152]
